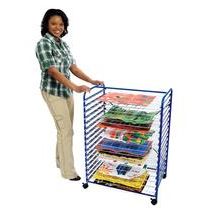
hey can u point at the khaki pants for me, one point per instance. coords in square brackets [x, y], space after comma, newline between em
[62, 111]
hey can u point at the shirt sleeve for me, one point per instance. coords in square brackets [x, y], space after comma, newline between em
[44, 55]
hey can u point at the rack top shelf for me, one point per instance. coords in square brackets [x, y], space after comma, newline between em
[128, 98]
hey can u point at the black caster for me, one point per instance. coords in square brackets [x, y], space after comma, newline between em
[164, 176]
[85, 185]
[153, 201]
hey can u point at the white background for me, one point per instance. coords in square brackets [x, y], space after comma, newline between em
[139, 44]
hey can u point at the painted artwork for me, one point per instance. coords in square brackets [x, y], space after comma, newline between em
[123, 98]
[132, 136]
[122, 176]
[123, 149]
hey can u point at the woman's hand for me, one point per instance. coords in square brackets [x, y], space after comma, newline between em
[97, 82]
[81, 88]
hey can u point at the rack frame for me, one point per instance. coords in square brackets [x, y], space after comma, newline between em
[93, 112]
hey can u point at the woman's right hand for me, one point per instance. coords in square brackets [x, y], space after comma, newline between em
[81, 88]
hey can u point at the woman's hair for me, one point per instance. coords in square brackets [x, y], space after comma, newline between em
[50, 13]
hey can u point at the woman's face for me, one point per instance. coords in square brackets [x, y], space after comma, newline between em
[56, 26]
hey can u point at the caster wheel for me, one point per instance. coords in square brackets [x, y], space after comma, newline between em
[153, 201]
[85, 185]
[164, 176]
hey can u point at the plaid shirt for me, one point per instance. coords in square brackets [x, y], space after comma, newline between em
[52, 53]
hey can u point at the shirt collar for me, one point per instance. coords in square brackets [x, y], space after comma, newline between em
[52, 38]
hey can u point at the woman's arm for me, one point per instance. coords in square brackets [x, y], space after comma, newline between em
[80, 74]
[67, 83]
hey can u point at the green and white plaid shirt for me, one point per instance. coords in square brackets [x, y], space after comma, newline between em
[52, 53]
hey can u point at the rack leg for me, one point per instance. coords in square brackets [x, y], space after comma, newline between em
[85, 185]
[153, 201]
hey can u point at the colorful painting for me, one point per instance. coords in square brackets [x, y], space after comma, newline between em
[133, 117]
[128, 136]
[133, 178]
[121, 170]
[124, 149]
[123, 98]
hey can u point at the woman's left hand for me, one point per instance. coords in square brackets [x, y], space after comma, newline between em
[97, 82]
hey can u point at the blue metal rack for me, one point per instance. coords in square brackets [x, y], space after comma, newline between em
[157, 160]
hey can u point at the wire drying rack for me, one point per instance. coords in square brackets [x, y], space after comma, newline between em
[153, 160]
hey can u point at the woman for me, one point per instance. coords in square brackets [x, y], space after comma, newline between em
[56, 63]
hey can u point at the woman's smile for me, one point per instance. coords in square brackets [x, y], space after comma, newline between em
[56, 26]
